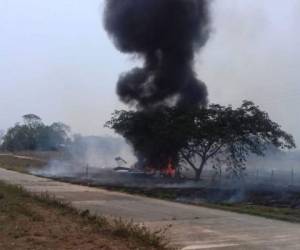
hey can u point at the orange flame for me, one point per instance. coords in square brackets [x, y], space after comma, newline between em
[170, 169]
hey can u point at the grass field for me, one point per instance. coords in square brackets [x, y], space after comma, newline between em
[41, 222]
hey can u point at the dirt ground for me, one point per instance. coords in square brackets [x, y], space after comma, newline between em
[27, 223]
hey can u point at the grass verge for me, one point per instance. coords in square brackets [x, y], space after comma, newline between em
[42, 222]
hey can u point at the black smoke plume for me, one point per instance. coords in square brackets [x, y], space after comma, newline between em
[165, 34]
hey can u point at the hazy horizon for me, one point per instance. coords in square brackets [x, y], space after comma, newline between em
[56, 61]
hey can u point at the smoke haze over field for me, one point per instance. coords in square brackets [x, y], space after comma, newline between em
[100, 152]
[86, 154]
[57, 55]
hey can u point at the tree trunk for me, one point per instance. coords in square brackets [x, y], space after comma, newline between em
[199, 170]
[197, 175]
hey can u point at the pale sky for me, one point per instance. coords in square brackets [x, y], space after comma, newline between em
[56, 61]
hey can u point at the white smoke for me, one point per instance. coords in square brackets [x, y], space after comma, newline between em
[87, 155]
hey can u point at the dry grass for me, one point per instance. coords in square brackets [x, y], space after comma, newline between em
[44, 155]
[42, 222]
[11, 162]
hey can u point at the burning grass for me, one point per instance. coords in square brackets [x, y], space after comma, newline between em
[42, 222]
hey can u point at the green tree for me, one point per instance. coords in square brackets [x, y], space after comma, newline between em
[2, 133]
[35, 135]
[151, 134]
[58, 133]
[18, 138]
[226, 136]
[198, 136]
[32, 120]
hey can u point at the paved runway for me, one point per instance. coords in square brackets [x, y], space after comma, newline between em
[192, 227]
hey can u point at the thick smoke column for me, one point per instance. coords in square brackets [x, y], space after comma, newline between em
[166, 34]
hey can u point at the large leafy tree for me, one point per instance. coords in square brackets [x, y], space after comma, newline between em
[199, 136]
[2, 133]
[151, 135]
[32, 120]
[33, 134]
[226, 136]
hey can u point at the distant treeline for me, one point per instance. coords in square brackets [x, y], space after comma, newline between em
[33, 134]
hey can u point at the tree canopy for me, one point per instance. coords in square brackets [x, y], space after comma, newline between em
[215, 134]
[33, 134]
